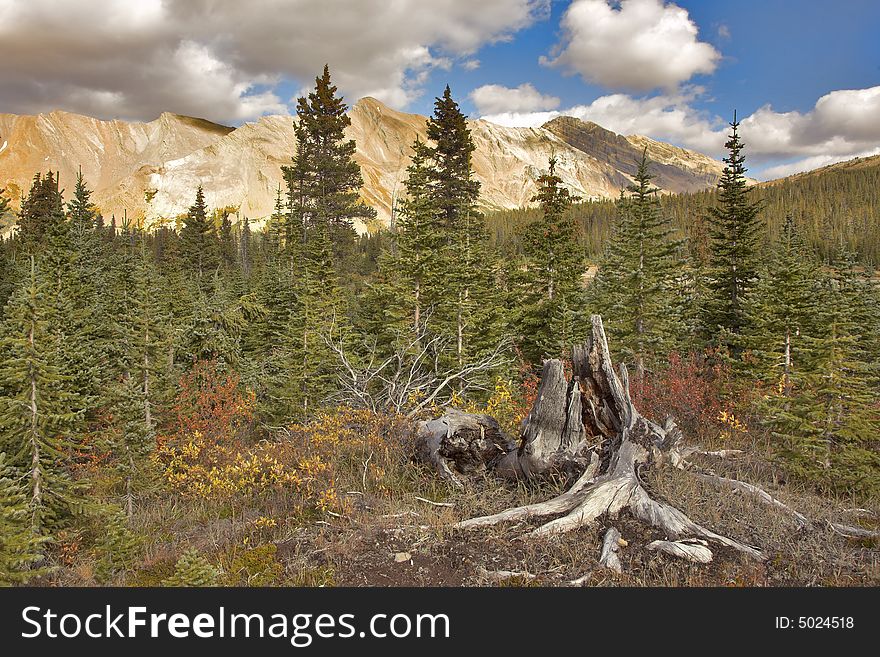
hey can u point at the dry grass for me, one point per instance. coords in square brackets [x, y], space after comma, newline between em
[286, 537]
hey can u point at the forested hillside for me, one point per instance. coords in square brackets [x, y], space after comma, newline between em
[220, 405]
[831, 206]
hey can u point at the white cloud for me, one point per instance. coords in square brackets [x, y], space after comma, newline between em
[640, 45]
[471, 64]
[843, 124]
[221, 59]
[494, 99]
[667, 117]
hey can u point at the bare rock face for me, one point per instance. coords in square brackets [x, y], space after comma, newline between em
[151, 170]
[113, 154]
[675, 169]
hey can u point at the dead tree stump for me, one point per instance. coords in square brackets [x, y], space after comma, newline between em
[595, 409]
[461, 443]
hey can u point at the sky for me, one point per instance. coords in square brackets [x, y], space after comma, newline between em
[802, 75]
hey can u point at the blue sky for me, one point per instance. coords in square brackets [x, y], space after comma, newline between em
[804, 75]
[784, 52]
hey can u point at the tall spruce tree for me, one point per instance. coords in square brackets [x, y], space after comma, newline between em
[198, 240]
[636, 287]
[783, 310]
[408, 283]
[324, 180]
[41, 213]
[80, 210]
[547, 283]
[734, 230]
[226, 240]
[20, 548]
[443, 250]
[322, 204]
[36, 417]
[140, 332]
[828, 422]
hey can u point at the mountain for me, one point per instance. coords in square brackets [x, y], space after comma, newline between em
[109, 152]
[675, 169]
[151, 170]
[855, 165]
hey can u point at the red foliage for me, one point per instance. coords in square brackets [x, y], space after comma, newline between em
[687, 389]
[210, 403]
[528, 391]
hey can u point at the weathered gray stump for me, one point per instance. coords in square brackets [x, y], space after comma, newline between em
[596, 409]
[461, 443]
[553, 439]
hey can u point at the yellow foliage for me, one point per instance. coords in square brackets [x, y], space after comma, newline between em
[503, 405]
[350, 445]
[731, 420]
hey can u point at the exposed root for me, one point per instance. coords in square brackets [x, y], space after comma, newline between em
[690, 550]
[611, 545]
[433, 503]
[499, 576]
[581, 581]
[852, 532]
[759, 493]
[557, 505]
[608, 497]
[721, 453]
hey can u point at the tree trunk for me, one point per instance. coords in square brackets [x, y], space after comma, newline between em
[553, 437]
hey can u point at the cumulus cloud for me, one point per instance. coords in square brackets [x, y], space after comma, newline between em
[471, 64]
[639, 45]
[223, 59]
[494, 98]
[667, 117]
[843, 124]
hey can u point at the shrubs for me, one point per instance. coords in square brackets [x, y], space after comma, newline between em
[193, 569]
[116, 546]
[687, 389]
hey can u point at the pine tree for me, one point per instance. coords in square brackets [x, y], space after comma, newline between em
[20, 548]
[116, 545]
[36, 419]
[83, 262]
[245, 257]
[637, 287]
[443, 253]
[324, 180]
[226, 240]
[80, 210]
[192, 569]
[783, 310]
[547, 281]
[827, 425]
[42, 213]
[7, 282]
[199, 240]
[735, 228]
[308, 365]
[140, 335]
[322, 203]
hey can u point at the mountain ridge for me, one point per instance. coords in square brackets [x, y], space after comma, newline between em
[151, 169]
